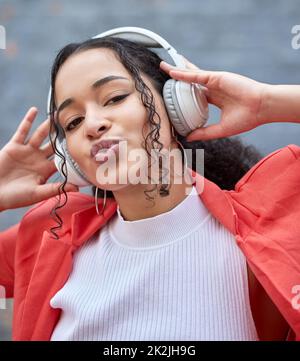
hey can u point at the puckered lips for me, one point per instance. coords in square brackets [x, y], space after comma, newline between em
[103, 149]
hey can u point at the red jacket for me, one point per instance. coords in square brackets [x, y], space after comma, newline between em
[263, 212]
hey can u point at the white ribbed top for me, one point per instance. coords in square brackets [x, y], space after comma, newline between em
[176, 276]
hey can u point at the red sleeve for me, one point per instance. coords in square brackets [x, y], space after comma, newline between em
[267, 204]
[8, 240]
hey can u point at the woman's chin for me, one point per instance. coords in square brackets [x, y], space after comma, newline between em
[112, 178]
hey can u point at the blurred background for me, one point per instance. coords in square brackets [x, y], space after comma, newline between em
[249, 37]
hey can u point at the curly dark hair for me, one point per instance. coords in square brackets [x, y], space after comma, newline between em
[226, 160]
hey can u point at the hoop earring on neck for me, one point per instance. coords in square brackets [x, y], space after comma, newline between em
[96, 201]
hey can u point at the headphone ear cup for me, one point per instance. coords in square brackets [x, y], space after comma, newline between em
[186, 105]
[73, 172]
[173, 108]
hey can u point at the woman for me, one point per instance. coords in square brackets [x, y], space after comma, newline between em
[142, 252]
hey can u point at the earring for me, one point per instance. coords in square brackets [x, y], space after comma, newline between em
[96, 201]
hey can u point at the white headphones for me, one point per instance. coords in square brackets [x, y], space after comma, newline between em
[186, 103]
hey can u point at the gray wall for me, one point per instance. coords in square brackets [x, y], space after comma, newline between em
[250, 37]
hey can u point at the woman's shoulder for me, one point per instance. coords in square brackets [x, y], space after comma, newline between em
[41, 212]
[283, 162]
[271, 187]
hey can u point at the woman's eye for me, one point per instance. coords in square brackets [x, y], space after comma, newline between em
[73, 124]
[116, 99]
[76, 121]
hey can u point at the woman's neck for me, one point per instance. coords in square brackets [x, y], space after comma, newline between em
[133, 203]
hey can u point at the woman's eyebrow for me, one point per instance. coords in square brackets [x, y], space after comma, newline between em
[98, 84]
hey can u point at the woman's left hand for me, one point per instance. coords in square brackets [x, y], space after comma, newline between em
[238, 97]
[25, 166]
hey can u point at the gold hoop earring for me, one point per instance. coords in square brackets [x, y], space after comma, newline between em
[96, 201]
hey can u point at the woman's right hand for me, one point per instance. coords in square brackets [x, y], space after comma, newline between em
[25, 166]
[239, 98]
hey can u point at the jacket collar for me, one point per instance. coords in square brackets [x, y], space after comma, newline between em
[86, 222]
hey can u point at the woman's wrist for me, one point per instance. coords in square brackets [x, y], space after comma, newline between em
[279, 103]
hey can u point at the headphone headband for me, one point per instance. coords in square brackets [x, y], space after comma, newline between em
[141, 36]
[144, 37]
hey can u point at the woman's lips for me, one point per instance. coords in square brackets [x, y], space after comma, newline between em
[104, 154]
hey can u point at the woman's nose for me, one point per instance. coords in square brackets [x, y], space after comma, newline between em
[96, 125]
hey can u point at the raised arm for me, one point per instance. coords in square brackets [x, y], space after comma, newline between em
[281, 103]
[244, 103]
